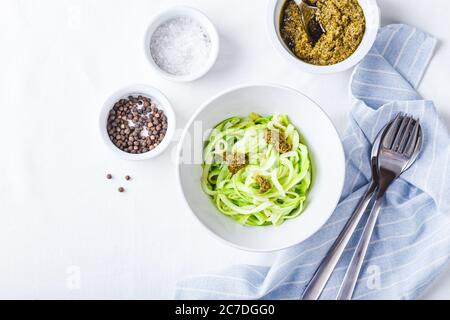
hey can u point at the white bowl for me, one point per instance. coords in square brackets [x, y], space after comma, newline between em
[161, 102]
[321, 137]
[204, 21]
[372, 15]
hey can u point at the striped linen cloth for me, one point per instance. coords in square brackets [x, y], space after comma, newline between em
[411, 243]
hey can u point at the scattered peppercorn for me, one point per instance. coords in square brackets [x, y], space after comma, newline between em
[136, 125]
[128, 178]
[121, 189]
[109, 176]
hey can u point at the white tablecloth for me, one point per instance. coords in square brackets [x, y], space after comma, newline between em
[65, 231]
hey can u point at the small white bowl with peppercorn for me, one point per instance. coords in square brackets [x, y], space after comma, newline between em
[137, 122]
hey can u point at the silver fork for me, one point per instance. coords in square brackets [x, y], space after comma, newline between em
[398, 151]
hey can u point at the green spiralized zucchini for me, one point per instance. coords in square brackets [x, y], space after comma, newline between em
[271, 182]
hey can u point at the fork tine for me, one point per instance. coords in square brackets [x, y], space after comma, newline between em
[413, 139]
[407, 131]
[392, 131]
[402, 131]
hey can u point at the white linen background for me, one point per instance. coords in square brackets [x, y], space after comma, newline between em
[59, 217]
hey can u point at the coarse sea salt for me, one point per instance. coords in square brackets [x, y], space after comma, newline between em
[180, 46]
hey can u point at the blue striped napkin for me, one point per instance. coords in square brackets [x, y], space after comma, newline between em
[411, 242]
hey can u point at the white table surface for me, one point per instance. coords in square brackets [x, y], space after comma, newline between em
[65, 231]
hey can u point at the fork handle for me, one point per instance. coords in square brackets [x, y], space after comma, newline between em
[323, 273]
[351, 276]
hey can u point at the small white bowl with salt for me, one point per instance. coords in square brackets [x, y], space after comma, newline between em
[182, 44]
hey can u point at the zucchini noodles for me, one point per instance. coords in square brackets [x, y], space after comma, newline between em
[256, 170]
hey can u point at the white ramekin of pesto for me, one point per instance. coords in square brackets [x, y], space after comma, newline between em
[350, 29]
